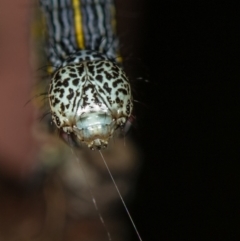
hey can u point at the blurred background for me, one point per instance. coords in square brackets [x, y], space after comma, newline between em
[181, 169]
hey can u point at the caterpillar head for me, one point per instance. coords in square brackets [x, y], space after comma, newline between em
[91, 99]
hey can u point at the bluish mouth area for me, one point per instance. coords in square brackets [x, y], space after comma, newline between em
[95, 129]
[89, 119]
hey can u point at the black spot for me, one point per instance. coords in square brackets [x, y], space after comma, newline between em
[91, 68]
[76, 82]
[80, 69]
[115, 68]
[90, 86]
[107, 88]
[56, 101]
[67, 106]
[123, 91]
[71, 94]
[101, 91]
[62, 107]
[99, 78]
[74, 103]
[108, 76]
[61, 93]
[58, 84]
[73, 75]
[63, 71]
[66, 82]
[109, 100]
[117, 82]
[115, 74]
[85, 101]
[56, 90]
[57, 76]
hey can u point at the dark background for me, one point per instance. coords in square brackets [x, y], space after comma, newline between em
[189, 187]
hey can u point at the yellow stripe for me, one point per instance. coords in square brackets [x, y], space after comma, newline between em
[78, 23]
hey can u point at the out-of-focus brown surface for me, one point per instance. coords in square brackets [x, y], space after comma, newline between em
[40, 215]
[17, 146]
[56, 205]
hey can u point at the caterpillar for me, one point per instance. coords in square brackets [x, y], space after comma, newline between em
[89, 94]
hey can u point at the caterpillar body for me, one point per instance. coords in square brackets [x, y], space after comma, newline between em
[89, 94]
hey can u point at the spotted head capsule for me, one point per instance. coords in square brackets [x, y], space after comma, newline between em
[90, 99]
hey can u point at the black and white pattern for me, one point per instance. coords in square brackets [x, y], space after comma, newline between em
[74, 25]
[89, 93]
